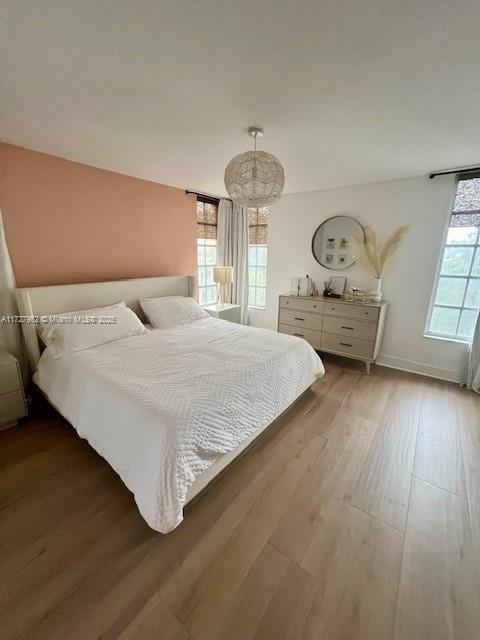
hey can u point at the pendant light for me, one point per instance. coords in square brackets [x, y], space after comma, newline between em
[254, 178]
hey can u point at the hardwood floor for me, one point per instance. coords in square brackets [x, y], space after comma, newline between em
[356, 517]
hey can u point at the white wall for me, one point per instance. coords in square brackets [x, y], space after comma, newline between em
[423, 204]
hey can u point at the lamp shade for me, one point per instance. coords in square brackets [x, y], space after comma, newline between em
[223, 275]
[254, 179]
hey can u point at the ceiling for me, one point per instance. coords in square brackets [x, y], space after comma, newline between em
[348, 92]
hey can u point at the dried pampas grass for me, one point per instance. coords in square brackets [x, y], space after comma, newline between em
[372, 255]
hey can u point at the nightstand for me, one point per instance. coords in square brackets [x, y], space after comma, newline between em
[230, 312]
[12, 397]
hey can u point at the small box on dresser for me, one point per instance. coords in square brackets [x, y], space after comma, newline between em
[351, 329]
[12, 397]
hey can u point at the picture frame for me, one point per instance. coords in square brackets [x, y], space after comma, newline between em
[338, 284]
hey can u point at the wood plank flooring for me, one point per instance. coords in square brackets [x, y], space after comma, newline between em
[356, 517]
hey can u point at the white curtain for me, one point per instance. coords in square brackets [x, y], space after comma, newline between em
[232, 248]
[473, 363]
[10, 334]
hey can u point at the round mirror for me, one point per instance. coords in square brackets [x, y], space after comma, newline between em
[330, 242]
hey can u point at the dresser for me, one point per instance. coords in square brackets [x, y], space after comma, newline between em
[12, 398]
[351, 329]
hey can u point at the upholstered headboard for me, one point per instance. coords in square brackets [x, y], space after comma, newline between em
[41, 301]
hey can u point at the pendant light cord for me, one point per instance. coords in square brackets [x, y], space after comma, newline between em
[254, 172]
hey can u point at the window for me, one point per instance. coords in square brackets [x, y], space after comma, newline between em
[456, 299]
[206, 251]
[257, 257]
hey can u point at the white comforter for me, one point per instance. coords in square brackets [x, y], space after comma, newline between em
[163, 406]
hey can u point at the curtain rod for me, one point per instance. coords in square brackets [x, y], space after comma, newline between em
[460, 172]
[205, 197]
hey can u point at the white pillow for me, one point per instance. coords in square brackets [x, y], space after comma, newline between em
[171, 311]
[89, 328]
[49, 324]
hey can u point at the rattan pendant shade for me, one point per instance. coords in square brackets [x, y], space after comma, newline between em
[254, 178]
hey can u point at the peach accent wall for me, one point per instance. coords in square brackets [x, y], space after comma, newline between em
[67, 222]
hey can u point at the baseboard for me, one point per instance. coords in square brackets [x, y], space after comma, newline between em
[421, 368]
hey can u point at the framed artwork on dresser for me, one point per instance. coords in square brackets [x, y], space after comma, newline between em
[338, 284]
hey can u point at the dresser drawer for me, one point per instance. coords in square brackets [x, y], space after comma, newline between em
[348, 346]
[303, 304]
[349, 327]
[301, 319]
[351, 311]
[313, 337]
[12, 407]
[9, 377]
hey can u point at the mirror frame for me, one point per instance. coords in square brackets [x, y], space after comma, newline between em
[338, 215]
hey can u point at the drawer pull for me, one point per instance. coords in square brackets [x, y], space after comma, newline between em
[351, 328]
[302, 319]
[345, 344]
[299, 335]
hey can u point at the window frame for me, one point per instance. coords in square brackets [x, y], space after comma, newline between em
[428, 333]
[203, 242]
[207, 242]
[256, 266]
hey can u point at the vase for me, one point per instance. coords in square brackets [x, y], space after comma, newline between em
[376, 294]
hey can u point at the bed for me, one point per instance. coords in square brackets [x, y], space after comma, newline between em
[171, 408]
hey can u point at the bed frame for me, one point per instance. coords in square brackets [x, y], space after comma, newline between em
[52, 300]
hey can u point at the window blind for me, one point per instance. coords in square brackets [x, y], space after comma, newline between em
[466, 208]
[207, 218]
[258, 225]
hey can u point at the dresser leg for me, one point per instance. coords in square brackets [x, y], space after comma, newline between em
[367, 368]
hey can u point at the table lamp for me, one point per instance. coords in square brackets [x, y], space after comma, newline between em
[224, 277]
